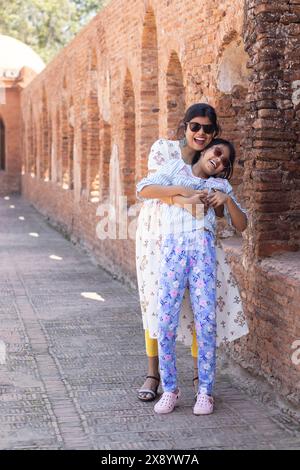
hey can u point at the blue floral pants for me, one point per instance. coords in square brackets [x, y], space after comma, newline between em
[188, 259]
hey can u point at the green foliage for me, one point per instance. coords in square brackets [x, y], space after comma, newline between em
[46, 25]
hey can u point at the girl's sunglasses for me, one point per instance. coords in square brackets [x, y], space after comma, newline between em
[195, 127]
[218, 153]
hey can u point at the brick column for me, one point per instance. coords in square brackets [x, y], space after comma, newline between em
[272, 126]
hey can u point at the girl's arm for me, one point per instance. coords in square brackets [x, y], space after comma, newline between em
[238, 217]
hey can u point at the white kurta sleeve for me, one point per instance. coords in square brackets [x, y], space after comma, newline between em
[158, 155]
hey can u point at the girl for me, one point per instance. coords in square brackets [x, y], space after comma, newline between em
[231, 323]
[188, 256]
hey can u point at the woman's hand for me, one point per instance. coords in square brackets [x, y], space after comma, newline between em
[217, 199]
[192, 203]
[199, 198]
[196, 205]
[189, 192]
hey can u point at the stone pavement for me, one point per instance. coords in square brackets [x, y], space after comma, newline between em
[73, 363]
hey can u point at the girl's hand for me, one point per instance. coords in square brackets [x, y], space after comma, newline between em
[217, 199]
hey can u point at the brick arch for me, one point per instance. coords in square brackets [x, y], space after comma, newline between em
[32, 153]
[58, 145]
[64, 167]
[232, 88]
[232, 63]
[93, 132]
[34, 149]
[149, 101]
[105, 154]
[2, 145]
[50, 146]
[25, 137]
[67, 146]
[29, 139]
[93, 62]
[63, 170]
[84, 148]
[71, 126]
[64, 82]
[23, 145]
[128, 155]
[45, 157]
[175, 94]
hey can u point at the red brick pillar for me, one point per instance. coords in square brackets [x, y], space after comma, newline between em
[272, 126]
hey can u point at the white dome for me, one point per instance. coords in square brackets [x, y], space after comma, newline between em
[15, 54]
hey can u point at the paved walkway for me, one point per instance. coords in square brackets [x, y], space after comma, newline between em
[73, 364]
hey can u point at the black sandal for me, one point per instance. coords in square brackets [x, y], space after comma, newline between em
[195, 378]
[153, 393]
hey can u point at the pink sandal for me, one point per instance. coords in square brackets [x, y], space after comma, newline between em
[204, 404]
[167, 402]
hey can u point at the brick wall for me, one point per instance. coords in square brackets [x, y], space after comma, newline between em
[272, 136]
[12, 128]
[10, 178]
[270, 293]
[91, 116]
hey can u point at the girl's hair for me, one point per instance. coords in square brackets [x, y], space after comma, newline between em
[227, 173]
[199, 110]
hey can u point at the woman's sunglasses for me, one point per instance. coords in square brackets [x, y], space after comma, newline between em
[219, 153]
[195, 127]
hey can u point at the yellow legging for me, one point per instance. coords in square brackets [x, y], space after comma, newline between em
[152, 347]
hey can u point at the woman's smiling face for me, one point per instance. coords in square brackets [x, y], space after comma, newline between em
[198, 140]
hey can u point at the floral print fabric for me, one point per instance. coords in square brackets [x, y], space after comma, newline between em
[189, 259]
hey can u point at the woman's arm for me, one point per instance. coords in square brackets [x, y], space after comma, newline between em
[196, 204]
[156, 191]
[183, 201]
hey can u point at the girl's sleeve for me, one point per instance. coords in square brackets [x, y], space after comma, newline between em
[230, 193]
[162, 177]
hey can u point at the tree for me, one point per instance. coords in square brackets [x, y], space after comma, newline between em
[85, 10]
[46, 25]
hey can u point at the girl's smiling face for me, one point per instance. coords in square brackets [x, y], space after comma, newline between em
[213, 161]
[198, 140]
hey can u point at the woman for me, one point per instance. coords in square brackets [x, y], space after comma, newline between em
[196, 138]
